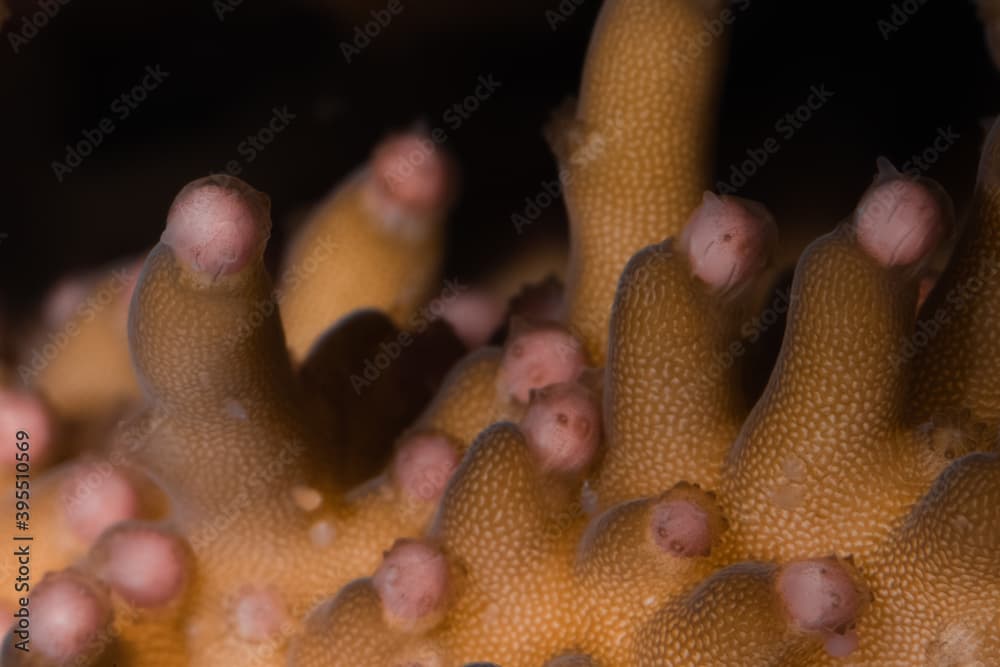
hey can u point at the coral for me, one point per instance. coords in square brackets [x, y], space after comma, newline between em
[802, 555]
[213, 407]
[635, 151]
[599, 490]
[374, 243]
[90, 312]
[207, 405]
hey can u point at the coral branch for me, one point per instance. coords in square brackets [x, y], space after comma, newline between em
[790, 485]
[375, 243]
[956, 356]
[636, 152]
[671, 352]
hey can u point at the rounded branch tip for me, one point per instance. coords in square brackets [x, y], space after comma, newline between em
[95, 496]
[64, 298]
[563, 427]
[218, 225]
[146, 565]
[536, 356]
[25, 418]
[67, 612]
[686, 521]
[413, 583]
[474, 315]
[822, 596]
[412, 174]
[423, 464]
[681, 528]
[900, 220]
[728, 240]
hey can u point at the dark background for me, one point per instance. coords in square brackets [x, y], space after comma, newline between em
[891, 97]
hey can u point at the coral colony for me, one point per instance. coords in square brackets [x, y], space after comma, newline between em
[258, 474]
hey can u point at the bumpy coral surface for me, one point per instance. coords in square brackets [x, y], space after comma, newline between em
[599, 491]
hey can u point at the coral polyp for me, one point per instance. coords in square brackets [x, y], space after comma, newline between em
[598, 490]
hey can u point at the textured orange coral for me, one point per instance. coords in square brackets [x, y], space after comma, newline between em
[536, 511]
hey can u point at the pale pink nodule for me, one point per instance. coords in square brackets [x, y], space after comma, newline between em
[67, 612]
[900, 221]
[474, 315]
[24, 418]
[412, 582]
[413, 173]
[217, 225]
[423, 465]
[145, 565]
[727, 240]
[563, 426]
[821, 597]
[96, 496]
[536, 358]
[681, 528]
